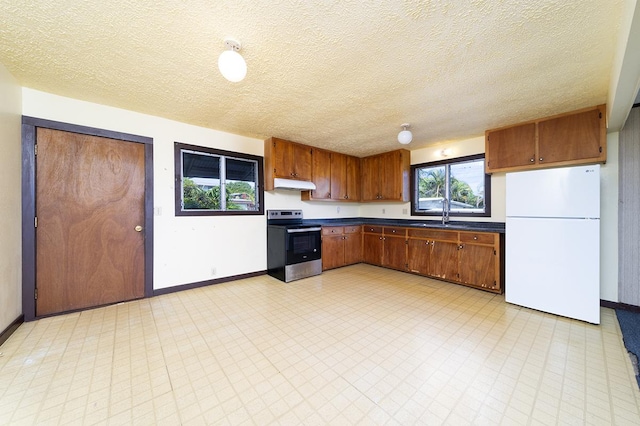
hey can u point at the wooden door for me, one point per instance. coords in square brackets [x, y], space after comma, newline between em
[282, 154]
[352, 178]
[511, 147]
[418, 254]
[390, 181]
[478, 266]
[352, 245]
[301, 162]
[394, 252]
[322, 174]
[443, 262]
[332, 251]
[575, 136]
[372, 249]
[338, 176]
[370, 178]
[89, 201]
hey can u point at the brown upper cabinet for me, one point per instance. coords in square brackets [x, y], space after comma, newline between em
[345, 177]
[286, 159]
[338, 177]
[320, 175]
[385, 177]
[335, 175]
[578, 137]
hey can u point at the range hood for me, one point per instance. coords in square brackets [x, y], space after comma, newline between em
[293, 184]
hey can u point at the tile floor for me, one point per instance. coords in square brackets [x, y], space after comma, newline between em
[357, 345]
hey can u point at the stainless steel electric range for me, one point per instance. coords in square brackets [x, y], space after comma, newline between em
[294, 249]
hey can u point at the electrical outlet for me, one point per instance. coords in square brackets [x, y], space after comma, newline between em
[213, 271]
[158, 211]
[405, 211]
[384, 211]
[338, 209]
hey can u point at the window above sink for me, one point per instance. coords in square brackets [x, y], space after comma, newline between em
[469, 187]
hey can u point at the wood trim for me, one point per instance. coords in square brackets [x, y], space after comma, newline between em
[206, 283]
[29, 125]
[148, 220]
[28, 218]
[10, 329]
[85, 130]
[618, 305]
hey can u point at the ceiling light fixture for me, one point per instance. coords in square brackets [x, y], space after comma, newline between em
[405, 136]
[231, 63]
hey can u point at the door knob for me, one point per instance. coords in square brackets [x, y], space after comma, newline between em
[138, 228]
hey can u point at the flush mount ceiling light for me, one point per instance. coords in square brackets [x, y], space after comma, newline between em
[405, 136]
[230, 63]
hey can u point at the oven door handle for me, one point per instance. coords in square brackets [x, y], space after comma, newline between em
[294, 231]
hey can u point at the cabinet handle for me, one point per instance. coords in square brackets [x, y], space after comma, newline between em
[475, 237]
[540, 158]
[532, 160]
[460, 247]
[346, 197]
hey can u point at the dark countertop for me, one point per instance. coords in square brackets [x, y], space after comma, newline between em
[413, 223]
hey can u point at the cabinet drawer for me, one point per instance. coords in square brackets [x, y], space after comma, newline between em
[373, 229]
[395, 231]
[477, 237]
[434, 234]
[332, 230]
[352, 229]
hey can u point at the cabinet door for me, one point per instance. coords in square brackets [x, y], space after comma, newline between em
[282, 154]
[571, 137]
[395, 169]
[372, 249]
[418, 253]
[353, 178]
[394, 252]
[321, 171]
[338, 176]
[443, 262]
[345, 177]
[301, 162]
[478, 266]
[352, 247]
[370, 178]
[511, 147]
[332, 251]
[390, 177]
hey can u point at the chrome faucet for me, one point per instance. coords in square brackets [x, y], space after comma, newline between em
[445, 210]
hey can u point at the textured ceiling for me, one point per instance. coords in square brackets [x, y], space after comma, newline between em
[343, 75]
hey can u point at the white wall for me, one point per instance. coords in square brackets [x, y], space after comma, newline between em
[186, 249]
[10, 204]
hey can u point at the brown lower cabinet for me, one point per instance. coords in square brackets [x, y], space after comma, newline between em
[341, 246]
[471, 258]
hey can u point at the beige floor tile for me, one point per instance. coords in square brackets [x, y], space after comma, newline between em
[356, 345]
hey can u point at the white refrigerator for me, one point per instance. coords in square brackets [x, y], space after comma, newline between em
[553, 241]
